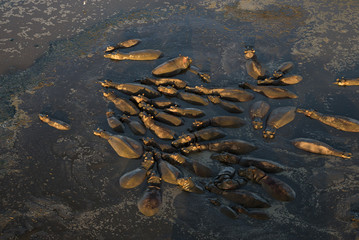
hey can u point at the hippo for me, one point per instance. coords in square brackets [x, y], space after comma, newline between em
[289, 80]
[235, 146]
[137, 176]
[132, 88]
[140, 55]
[257, 112]
[122, 104]
[219, 121]
[58, 124]
[270, 91]
[185, 112]
[151, 200]
[315, 146]
[198, 136]
[161, 116]
[177, 83]
[263, 164]
[278, 189]
[159, 131]
[114, 122]
[278, 118]
[228, 106]
[347, 82]
[125, 44]
[342, 123]
[135, 126]
[172, 67]
[124, 146]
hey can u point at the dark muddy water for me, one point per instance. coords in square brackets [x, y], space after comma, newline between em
[64, 184]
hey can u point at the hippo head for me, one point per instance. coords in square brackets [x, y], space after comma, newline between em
[249, 53]
[340, 82]
[269, 132]
[44, 117]
[148, 160]
[110, 113]
[186, 61]
[257, 123]
[306, 112]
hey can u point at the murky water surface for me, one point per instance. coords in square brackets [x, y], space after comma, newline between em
[64, 184]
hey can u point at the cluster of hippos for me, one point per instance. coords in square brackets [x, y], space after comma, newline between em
[164, 162]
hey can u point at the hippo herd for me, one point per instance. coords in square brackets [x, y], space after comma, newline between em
[142, 112]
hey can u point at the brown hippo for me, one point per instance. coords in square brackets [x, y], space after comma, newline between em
[161, 116]
[228, 106]
[219, 121]
[275, 187]
[58, 124]
[125, 44]
[339, 122]
[177, 65]
[347, 82]
[122, 104]
[198, 136]
[240, 196]
[172, 67]
[235, 146]
[140, 55]
[283, 69]
[159, 131]
[185, 112]
[231, 94]
[124, 146]
[150, 142]
[132, 88]
[257, 112]
[315, 146]
[253, 67]
[151, 200]
[135, 126]
[177, 83]
[269, 91]
[196, 167]
[135, 177]
[263, 164]
[278, 118]
[289, 80]
[114, 122]
[156, 103]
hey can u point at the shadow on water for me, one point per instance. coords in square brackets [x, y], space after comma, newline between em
[64, 184]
